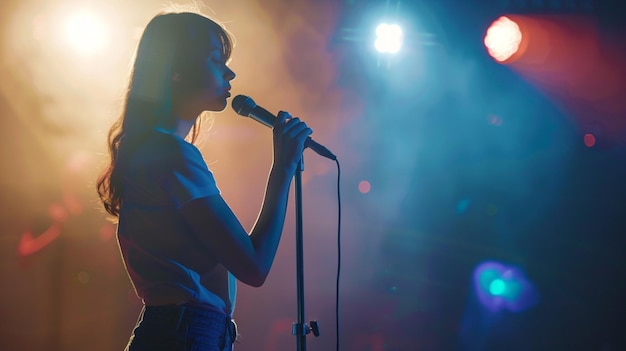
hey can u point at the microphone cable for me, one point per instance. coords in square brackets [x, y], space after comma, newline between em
[338, 252]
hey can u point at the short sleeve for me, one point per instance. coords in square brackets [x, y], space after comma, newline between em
[188, 177]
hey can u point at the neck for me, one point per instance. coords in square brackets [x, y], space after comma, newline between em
[182, 127]
[184, 118]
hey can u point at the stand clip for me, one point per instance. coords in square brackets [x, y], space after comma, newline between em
[304, 329]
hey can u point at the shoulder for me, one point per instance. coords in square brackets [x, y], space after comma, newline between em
[164, 150]
[169, 144]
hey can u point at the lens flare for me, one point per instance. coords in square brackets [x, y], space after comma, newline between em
[500, 286]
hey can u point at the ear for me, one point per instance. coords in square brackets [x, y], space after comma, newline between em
[176, 77]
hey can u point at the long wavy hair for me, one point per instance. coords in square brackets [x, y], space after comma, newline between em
[172, 43]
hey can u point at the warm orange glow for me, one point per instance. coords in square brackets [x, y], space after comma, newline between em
[62, 89]
[503, 39]
[85, 33]
[30, 244]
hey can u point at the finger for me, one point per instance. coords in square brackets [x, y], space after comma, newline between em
[296, 129]
[281, 118]
[290, 124]
[303, 135]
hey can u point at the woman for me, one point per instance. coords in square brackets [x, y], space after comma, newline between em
[182, 246]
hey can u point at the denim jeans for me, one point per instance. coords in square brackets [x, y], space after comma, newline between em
[186, 327]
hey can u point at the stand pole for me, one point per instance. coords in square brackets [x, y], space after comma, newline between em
[300, 328]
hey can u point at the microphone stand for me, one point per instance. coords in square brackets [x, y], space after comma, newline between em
[300, 329]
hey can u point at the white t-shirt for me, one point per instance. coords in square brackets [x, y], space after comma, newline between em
[164, 259]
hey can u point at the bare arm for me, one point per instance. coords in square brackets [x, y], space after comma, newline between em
[250, 257]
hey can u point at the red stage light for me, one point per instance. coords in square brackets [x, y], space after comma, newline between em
[503, 39]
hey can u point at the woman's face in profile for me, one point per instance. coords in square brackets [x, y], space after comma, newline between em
[209, 87]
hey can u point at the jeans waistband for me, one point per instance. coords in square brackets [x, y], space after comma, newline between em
[188, 312]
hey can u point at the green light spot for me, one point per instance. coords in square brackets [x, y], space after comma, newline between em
[497, 287]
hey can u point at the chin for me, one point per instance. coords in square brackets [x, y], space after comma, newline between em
[219, 106]
[216, 109]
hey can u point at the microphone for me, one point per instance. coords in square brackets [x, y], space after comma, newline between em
[245, 106]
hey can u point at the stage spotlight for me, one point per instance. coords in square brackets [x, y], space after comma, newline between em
[389, 38]
[498, 283]
[503, 39]
[499, 286]
[85, 33]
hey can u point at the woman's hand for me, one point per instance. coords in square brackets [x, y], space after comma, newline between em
[289, 136]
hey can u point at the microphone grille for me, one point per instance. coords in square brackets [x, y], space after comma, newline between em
[243, 105]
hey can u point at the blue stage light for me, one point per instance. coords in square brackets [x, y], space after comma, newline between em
[389, 38]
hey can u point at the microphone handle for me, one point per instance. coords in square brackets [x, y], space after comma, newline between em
[265, 117]
[320, 149]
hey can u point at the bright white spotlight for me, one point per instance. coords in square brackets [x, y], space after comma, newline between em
[85, 33]
[503, 39]
[389, 38]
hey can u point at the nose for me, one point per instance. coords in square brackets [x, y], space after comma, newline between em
[230, 74]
